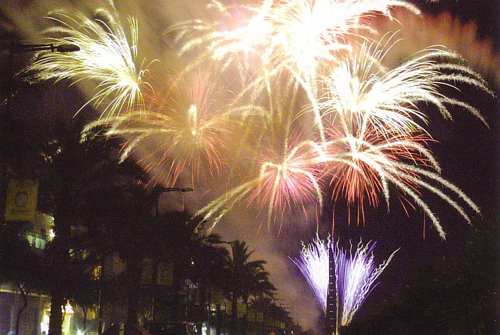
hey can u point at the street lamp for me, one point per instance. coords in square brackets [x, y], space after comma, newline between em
[28, 48]
[177, 189]
[14, 49]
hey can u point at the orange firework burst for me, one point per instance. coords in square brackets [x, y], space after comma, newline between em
[188, 132]
[370, 164]
[377, 138]
[283, 171]
[290, 183]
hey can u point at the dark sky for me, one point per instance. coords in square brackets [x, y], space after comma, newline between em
[484, 12]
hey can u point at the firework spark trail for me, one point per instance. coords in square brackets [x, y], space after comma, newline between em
[356, 274]
[404, 162]
[236, 31]
[280, 168]
[311, 33]
[377, 123]
[108, 57]
[281, 186]
[361, 92]
[314, 266]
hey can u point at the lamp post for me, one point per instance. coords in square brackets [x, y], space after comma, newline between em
[14, 49]
[234, 306]
[26, 48]
[158, 191]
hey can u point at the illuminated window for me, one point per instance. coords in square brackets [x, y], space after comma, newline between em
[96, 272]
[51, 234]
[35, 241]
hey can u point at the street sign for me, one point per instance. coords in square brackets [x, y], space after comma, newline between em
[22, 196]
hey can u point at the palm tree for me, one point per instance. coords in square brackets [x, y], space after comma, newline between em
[245, 278]
[68, 170]
[271, 309]
[207, 267]
[259, 286]
[121, 222]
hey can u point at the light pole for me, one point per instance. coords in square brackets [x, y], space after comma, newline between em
[14, 49]
[158, 191]
[234, 305]
[26, 48]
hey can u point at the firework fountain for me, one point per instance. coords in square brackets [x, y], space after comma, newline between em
[356, 275]
[275, 106]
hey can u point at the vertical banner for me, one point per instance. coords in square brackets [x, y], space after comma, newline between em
[165, 274]
[241, 310]
[147, 271]
[21, 202]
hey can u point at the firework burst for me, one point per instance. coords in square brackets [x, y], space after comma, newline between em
[308, 101]
[361, 92]
[377, 125]
[357, 275]
[187, 133]
[286, 183]
[236, 31]
[294, 36]
[108, 58]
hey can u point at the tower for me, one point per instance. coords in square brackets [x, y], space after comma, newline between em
[331, 299]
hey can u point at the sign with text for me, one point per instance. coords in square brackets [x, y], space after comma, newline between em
[22, 196]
